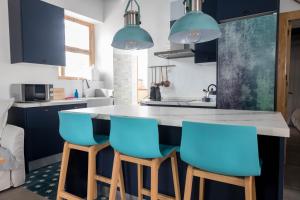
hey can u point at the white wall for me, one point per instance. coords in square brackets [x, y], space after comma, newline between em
[188, 78]
[33, 73]
[288, 5]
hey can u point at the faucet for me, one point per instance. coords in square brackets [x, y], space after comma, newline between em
[87, 84]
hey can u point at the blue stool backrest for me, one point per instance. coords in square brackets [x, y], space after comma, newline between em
[137, 137]
[223, 149]
[76, 128]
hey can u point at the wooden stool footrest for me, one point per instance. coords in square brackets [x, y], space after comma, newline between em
[220, 178]
[104, 180]
[66, 195]
[147, 192]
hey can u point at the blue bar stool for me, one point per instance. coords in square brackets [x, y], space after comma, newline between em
[136, 140]
[223, 153]
[77, 131]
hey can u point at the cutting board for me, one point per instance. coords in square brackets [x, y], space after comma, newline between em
[59, 94]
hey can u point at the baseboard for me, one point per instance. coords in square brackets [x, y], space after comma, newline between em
[36, 164]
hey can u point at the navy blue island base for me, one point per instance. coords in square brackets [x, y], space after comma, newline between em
[269, 186]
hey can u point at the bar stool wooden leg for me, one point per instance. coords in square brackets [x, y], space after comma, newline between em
[95, 191]
[121, 182]
[175, 176]
[254, 189]
[63, 170]
[140, 181]
[201, 188]
[249, 188]
[91, 173]
[154, 179]
[115, 176]
[188, 183]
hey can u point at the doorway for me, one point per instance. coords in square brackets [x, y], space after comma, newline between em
[292, 181]
[288, 97]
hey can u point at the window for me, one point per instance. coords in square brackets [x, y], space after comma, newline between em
[80, 49]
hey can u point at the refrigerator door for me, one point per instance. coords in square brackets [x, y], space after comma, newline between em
[247, 64]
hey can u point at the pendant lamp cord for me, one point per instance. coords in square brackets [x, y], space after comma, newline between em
[130, 3]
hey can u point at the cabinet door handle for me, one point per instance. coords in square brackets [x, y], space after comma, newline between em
[46, 110]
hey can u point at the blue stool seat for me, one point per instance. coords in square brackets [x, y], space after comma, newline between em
[223, 153]
[137, 137]
[136, 140]
[224, 149]
[77, 130]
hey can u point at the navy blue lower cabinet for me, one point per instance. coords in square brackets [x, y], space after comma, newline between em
[41, 126]
[269, 185]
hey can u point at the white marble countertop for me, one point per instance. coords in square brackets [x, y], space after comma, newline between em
[59, 102]
[267, 123]
[186, 103]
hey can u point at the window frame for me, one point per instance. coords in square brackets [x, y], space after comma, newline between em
[90, 52]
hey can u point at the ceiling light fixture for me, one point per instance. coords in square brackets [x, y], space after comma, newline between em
[132, 36]
[195, 26]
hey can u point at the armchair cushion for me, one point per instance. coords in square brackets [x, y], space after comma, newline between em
[13, 141]
[4, 107]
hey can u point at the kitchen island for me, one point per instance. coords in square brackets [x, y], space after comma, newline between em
[271, 128]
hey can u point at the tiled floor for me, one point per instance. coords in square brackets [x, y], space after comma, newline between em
[291, 194]
[20, 194]
[292, 172]
[44, 181]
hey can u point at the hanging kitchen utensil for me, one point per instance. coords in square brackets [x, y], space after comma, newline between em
[167, 83]
[157, 93]
[156, 79]
[162, 83]
[152, 88]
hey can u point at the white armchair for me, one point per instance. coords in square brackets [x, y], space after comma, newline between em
[13, 140]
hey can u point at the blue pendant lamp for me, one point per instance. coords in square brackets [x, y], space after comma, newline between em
[195, 26]
[132, 36]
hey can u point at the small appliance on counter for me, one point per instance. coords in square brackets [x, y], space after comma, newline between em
[155, 94]
[210, 93]
[23, 93]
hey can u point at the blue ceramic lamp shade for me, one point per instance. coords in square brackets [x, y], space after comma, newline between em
[194, 27]
[132, 36]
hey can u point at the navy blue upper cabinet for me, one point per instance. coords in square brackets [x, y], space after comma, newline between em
[228, 9]
[37, 32]
[207, 51]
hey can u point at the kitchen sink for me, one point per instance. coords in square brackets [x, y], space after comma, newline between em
[98, 101]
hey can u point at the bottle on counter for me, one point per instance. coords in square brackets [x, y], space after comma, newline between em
[76, 94]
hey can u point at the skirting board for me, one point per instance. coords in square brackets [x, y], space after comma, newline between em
[36, 164]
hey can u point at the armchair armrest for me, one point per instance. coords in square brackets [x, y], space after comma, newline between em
[13, 140]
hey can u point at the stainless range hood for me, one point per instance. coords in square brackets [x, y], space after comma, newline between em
[174, 53]
[177, 50]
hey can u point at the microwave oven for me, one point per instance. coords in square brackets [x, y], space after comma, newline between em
[31, 92]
